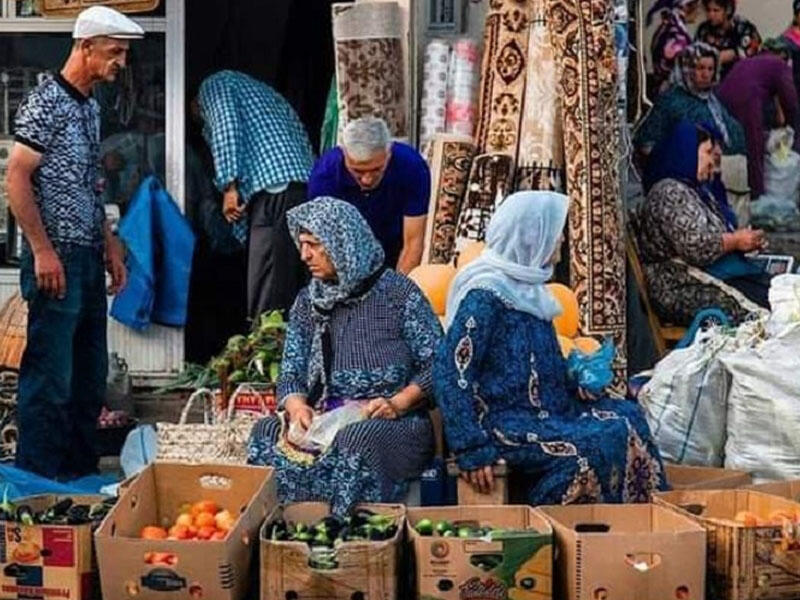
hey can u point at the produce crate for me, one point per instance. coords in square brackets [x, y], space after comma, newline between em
[627, 552]
[367, 570]
[746, 561]
[151, 569]
[47, 561]
[785, 489]
[515, 564]
[684, 477]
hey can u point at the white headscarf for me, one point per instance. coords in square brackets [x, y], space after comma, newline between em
[522, 236]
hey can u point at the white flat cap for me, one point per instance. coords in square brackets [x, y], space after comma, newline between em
[103, 21]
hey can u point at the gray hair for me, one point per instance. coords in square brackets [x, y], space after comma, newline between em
[363, 138]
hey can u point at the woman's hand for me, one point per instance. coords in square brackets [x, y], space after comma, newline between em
[585, 395]
[481, 479]
[750, 239]
[381, 408]
[299, 412]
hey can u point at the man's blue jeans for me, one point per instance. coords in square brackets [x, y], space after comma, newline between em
[62, 381]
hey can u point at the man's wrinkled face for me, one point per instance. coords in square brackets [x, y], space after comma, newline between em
[368, 173]
[105, 57]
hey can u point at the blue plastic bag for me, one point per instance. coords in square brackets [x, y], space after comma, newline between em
[592, 372]
[23, 483]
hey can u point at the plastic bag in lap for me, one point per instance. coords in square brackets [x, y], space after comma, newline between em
[324, 427]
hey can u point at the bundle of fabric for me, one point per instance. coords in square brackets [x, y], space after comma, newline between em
[462, 82]
[541, 152]
[500, 109]
[370, 65]
[450, 159]
[582, 33]
[434, 91]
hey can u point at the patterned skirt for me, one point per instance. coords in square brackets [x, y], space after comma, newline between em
[369, 461]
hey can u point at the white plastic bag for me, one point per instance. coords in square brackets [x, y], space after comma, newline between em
[139, 450]
[781, 165]
[784, 302]
[324, 427]
[686, 401]
[764, 408]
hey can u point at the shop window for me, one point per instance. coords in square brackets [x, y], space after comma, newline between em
[32, 8]
[132, 114]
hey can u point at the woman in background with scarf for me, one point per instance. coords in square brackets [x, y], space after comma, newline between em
[358, 333]
[691, 249]
[733, 36]
[670, 37]
[691, 97]
[501, 381]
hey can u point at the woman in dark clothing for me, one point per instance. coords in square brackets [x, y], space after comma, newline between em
[751, 87]
[691, 249]
[792, 38]
[670, 37]
[735, 37]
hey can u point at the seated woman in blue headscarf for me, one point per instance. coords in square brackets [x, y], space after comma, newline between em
[691, 96]
[501, 382]
[358, 333]
[692, 252]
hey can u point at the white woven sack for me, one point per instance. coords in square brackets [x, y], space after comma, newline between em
[207, 442]
[685, 402]
[764, 408]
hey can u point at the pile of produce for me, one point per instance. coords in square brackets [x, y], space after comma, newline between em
[204, 520]
[254, 358]
[63, 512]
[426, 527]
[327, 534]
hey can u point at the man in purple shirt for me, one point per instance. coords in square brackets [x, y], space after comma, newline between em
[388, 182]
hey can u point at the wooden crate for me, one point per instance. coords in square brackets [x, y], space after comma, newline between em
[469, 496]
[13, 331]
[366, 569]
[743, 562]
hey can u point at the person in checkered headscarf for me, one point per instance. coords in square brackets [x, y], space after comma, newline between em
[262, 159]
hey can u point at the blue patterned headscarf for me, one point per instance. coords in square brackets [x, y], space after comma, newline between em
[522, 237]
[358, 259]
[348, 241]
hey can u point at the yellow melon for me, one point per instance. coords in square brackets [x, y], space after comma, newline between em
[470, 252]
[434, 281]
[567, 322]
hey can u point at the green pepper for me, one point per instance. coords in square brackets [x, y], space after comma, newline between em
[444, 526]
[424, 527]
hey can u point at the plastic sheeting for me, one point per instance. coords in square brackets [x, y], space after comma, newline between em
[434, 90]
[462, 85]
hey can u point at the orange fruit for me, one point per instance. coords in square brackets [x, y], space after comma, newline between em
[205, 533]
[587, 345]
[224, 520]
[179, 532]
[219, 535]
[204, 519]
[151, 532]
[567, 345]
[207, 506]
[434, 281]
[192, 531]
[185, 520]
[566, 323]
[746, 518]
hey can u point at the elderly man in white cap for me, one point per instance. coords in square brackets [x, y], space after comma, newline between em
[52, 186]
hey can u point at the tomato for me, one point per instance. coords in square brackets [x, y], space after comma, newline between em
[151, 532]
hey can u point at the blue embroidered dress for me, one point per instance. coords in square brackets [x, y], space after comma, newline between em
[501, 384]
[381, 342]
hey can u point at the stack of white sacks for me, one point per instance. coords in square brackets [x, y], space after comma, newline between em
[733, 397]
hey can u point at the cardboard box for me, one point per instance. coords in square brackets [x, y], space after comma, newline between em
[367, 570]
[684, 477]
[518, 567]
[627, 552]
[744, 562]
[47, 561]
[784, 489]
[191, 569]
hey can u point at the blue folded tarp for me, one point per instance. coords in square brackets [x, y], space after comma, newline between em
[22, 483]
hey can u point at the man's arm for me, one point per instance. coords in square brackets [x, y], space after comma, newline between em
[47, 266]
[115, 260]
[413, 242]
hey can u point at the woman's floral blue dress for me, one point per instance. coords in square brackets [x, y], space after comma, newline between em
[501, 383]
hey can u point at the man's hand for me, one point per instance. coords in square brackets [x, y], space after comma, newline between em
[232, 210]
[380, 408]
[299, 412]
[115, 265]
[482, 479]
[50, 277]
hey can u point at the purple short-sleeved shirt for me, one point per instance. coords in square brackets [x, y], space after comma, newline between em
[404, 191]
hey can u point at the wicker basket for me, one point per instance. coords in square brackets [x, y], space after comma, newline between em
[13, 331]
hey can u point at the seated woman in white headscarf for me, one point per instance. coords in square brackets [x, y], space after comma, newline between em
[361, 334]
[501, 382]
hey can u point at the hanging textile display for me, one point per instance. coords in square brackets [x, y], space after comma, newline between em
[583, 37]
[370, 68]
[540, 165]
[450, 159]
[434, 91]
[500, 103]
[462, 86]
